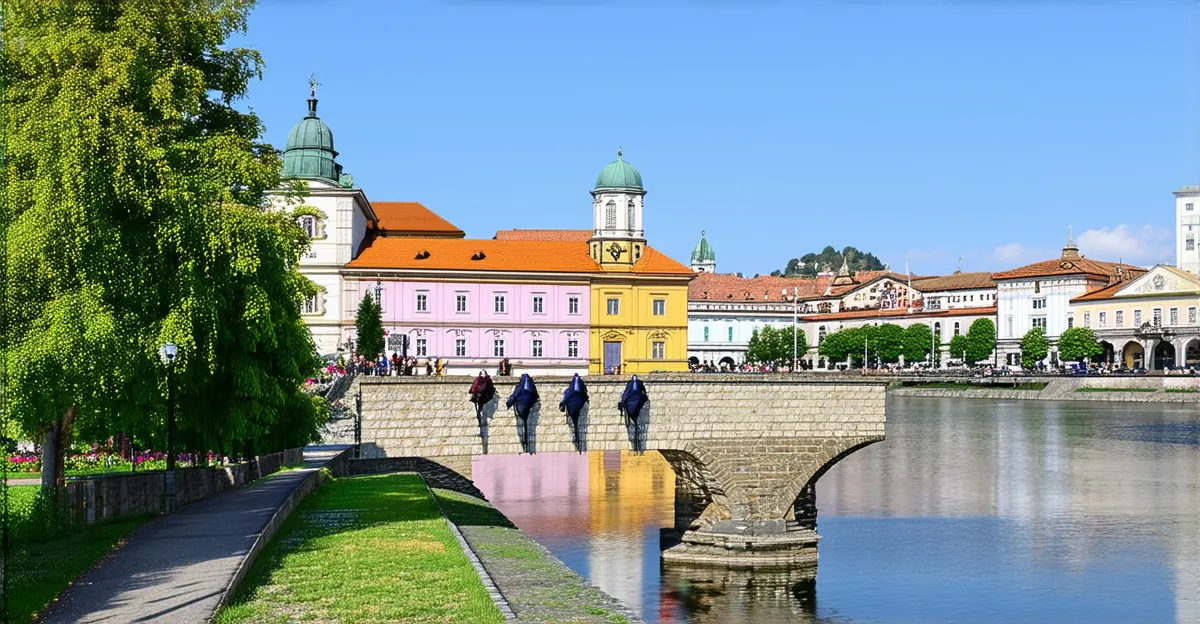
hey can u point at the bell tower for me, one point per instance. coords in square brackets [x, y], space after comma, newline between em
[618, 240]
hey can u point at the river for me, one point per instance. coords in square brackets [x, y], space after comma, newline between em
[970, 511]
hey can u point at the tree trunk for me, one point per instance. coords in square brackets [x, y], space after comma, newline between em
[54, 449]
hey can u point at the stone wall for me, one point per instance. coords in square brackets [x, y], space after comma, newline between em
[1066, 389]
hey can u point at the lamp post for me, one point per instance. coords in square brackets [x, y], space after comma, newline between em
[795, 322]
[167, 354]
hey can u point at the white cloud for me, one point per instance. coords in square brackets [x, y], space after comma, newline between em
[1148, 244]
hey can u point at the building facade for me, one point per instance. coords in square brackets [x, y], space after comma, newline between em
[1187, 228]
[1147, 322]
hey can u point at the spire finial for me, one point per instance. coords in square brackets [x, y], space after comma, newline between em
[313, 84]
[701, 233]
[1069, 235]
[619, 153]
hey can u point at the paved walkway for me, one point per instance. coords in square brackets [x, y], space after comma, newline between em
[175, 568]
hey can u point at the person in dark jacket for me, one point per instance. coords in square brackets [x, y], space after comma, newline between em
[574, 398]
[521, 401]
[482, 392]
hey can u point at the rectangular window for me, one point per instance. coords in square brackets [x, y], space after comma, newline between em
[1070, 321]
[1137, 318]
[1156, 317]
[1103, 319]
[460, 347]
[1174, 316]
[422, 302]
[1191, 244]
[705, 333]
[614, 307]
[573, 305]
[311, 306]
[660, 307]
[460, 303]
[1037, 287]
[573, 348]
[1087, 319]
[730, 334]
[658, 351]
[536, 349]
[422, 347]
[1120, 318]
[538, 307]
[499, 304]
[1009, 327]
[1188, 206]
[498, 347]
[1039, 304]
[1039, 321]
[1192, 316]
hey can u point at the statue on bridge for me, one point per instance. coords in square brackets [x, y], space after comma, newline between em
[575, 397]
[521, 401]
[482, 393]
[632, 400]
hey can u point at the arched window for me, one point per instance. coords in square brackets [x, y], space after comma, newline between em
[631, 216]
[955, 328]
[309, 224]
[820, 334]
[937, 330]
[610, 215]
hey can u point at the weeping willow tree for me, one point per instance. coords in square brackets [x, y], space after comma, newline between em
[133, 193]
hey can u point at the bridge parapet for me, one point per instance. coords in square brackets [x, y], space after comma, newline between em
[744, 448]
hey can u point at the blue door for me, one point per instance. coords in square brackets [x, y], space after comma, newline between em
[612, 356]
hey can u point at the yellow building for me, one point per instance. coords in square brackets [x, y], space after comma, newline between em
[639, 296]
[1149, 322]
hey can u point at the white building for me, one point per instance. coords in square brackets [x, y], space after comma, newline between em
[1040, 294]
[1187, 228]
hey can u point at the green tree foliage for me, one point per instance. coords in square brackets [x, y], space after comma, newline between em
[810, 264]
[1034, 347]
[958, 347]
[1078, 343]
[918, 342]
[887, 343]
[773, 346]
[848, 343]
[369, 323]
[981, 340]
[133, 215]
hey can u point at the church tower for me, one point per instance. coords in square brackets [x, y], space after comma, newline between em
[618, 240]
[703, 258]
[1187, 229]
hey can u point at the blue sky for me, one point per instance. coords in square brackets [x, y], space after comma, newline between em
[921, 132]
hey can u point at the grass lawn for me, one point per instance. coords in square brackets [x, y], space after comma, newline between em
[1181, 390]
[40, 570]
[364, 549]
[1091, 389]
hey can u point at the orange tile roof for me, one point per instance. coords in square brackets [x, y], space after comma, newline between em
[957, 281]
[380, 252]
[412, 219]
[1106, 292]
[899, 313]
[725, 287]
[1102, 293]
[544, 235]
[1067, 266]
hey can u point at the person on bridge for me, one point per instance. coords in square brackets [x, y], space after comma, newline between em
[575, 397]
[521, 401]
[632, 400]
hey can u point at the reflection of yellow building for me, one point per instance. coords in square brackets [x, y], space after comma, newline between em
[639, 298]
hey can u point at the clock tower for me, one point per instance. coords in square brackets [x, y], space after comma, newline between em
[618, 240]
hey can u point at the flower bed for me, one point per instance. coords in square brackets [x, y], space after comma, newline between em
[94, 463]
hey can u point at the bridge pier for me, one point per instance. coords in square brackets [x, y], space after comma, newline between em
[750, 504]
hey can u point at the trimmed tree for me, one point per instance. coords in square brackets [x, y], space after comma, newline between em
[772, 345]
[918, 341]
[888, 343]
[958, 347]
[1078, 343]
[981, 340]
[369, 324]
[1034, 347]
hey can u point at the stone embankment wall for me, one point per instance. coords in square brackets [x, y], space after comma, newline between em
[113, 496]
[1184, 389]
[433, 417]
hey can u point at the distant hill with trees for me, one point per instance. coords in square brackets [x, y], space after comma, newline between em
[810, 264]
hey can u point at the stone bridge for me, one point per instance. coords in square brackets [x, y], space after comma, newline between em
[747, 451]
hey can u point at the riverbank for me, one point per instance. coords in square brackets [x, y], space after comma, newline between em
[1142, 389]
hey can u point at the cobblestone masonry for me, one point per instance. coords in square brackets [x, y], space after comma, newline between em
[742, 447]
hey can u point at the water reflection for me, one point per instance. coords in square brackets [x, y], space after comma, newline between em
[984, 511]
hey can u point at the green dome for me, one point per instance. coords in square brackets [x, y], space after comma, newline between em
[619, 175]
[309, 152]
[703, 252]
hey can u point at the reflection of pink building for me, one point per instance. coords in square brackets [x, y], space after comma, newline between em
[546, 494]
[475, 302]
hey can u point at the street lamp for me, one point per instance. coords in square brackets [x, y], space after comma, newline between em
[167, 354]
[795, 321]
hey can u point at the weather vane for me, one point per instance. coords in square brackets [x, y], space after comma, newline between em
[313, 84]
